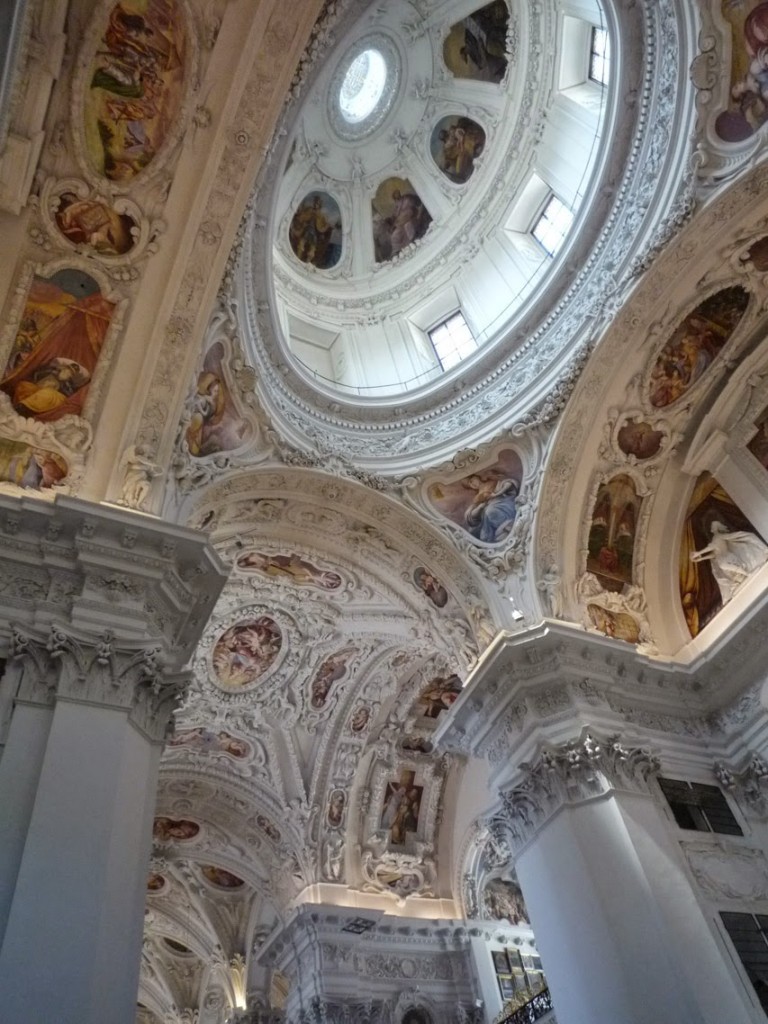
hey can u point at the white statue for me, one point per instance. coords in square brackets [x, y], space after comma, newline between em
[138, 473]
[734, 557]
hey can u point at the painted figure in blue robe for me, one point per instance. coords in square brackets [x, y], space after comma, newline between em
[492, 512]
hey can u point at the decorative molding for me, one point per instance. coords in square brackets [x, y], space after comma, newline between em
[749, 785]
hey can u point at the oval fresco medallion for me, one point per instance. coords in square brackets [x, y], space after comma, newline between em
[484, 503]
[361, 716]
[431, 586]
[455, 145]
[697, 340]
[245, 651]
[155, 883]
[336, 802]
[268, 828]
[134, 86]
[290, 567]
[221, 878]
[315, 231]
[214, 423]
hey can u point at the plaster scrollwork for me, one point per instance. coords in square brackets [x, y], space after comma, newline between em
[400, 874]
[573, 772]
[727, 871]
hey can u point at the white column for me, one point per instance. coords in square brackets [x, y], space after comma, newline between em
[622, 936]
[94, 667]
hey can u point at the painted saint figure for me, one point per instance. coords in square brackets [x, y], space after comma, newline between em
[493, 509]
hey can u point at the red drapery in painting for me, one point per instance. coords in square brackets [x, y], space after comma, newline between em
[78, 334]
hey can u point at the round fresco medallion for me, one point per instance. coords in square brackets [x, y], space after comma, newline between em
[167, 830]
[155, 883]
[221, 878]
[245, 651]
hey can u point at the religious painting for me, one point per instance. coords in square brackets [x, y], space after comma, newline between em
[402, 805]
[205, 741]
[438, 695]
[290, 567]
[431, 586]
[757, 254]
[214, 425]
[166, 830]
[268, 828]
[710, 504]
[455, 145]
[611, 543]
[245, 651]
[399, 217]
[759, 443]
[617, 625]
[315, 231]
[695, 344]
[135, 86]
[747, 106]
[503, 901]
[57, 346]
[29, 467]
[155, 883]
[639, 439]
[221, 878]
[476, 46]
[484, 503]
[336, 803]
[361, 716]
[94, 224]
[333, 668]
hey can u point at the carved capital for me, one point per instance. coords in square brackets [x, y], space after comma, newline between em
[574, 772]
[749, 785]
[63, 664]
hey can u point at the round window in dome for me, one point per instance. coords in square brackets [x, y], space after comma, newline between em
[363, 86]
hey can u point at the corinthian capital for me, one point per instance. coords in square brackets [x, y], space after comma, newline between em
[573, 772]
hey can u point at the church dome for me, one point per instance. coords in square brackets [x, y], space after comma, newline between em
[440, 197]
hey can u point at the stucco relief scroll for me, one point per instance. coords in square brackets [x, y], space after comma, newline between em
[728, 871]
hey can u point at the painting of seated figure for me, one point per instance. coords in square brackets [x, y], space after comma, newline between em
[476, 46]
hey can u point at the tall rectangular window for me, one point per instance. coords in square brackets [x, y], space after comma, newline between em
[452, 340]
[699, 807]
[600, 56]
[553, 225]
[749, 934]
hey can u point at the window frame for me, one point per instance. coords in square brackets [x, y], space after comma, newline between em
[699, 806]
[553, 197]
[596, 55]
[443, 322]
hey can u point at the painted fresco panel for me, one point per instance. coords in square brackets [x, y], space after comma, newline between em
[430, 586]
[476, 46]
[617, 625]
[484, 503]
[180, 830]
[290, 567]
[399, 217]
[94, 224]
[245, 651]
[207, 742]
[315, 232]
[29, 467]
[333, 668]
[215, 425]
[638, 438]
[57, 345]
[699, 591]
[748, 92]
[455, 145]
[694, 345]
[438, 695]
[135, 86]
[612, 533]
[220, 877]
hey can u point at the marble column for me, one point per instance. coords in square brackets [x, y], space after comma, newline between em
[100, 611]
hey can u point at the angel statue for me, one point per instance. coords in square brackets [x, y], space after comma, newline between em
[734, 557]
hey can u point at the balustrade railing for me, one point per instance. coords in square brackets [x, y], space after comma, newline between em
[531, 1011]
